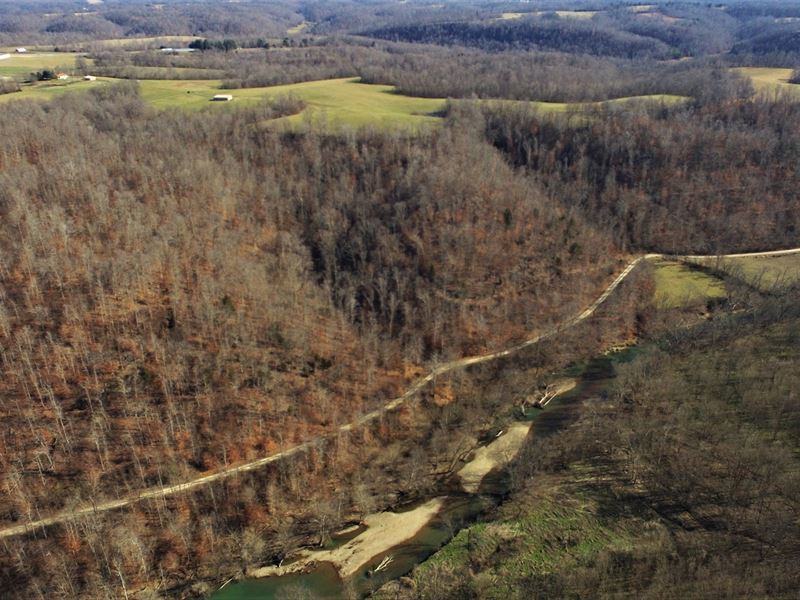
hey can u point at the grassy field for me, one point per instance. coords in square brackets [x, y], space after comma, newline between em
[23, 64]
[564, 14]
[143, 42]
[554, 531]
[770, 79]
[335, 101]
[560, 107]
[764, 273]
[47, 90]
[575, 14]
[508, 16]
[297, 28]
[678, 285]
[332, 102]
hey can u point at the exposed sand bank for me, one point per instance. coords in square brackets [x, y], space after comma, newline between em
[384, 531]
[496, 454]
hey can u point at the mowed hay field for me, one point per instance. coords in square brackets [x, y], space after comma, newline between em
[23, 64]
[336, 102]
[678, 285]
[770, 79]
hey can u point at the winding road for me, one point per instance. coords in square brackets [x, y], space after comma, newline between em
[169, 490]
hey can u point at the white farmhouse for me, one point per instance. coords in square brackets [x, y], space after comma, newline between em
[89, 77]
[222, 98]
[21, 50]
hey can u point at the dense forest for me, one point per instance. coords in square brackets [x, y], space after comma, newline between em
[185, 291]
[700, 179]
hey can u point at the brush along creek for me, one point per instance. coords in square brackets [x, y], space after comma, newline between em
[387, 545]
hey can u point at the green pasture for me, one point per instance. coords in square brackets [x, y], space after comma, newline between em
[22, 64]
[678, 285]
[47, 90]
[142, 42]
[562, 107]
[297, 28]
[332, 101]
[765, 272]
[574, 14]
[329, 103]
[770, 79]
[563, 14]
[642, 8]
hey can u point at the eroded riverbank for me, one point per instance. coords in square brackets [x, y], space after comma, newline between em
[394, 542]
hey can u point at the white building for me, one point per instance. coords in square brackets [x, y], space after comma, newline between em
[89, 77]
[62, 76]
[222, 98]
[21, 50]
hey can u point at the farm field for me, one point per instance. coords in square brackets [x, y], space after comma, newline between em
[50, 89]
[770, 79]
[335, 102]
[338, 101]
[678, 285]
[560, 107]
[564, 14]
[763, 272]
[297, 28]
[572, 14]
[140, 42]
[22, 64]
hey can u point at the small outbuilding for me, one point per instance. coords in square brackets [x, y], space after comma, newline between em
[62, 76]
[21, 50]
[222, 98]
[89, 77]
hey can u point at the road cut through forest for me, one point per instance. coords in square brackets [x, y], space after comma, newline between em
[442, 369]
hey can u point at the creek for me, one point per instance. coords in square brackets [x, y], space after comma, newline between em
[458, 509]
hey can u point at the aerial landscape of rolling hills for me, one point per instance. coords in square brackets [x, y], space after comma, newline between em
[408, 299]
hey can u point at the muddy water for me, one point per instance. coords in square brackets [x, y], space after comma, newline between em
[460, 509]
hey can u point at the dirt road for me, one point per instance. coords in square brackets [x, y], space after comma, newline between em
[370, 416]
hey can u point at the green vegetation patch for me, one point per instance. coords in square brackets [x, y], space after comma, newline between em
[297, 28]
[23, 64]
[138, 42]
[549, 532]
[561, 107]
[331, 101]
[679, 285]
[764, 273]
[771, 80]
[47, 90]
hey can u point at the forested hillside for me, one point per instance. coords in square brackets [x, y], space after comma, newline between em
[236, 318]
[704, 180]
[683, 482]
